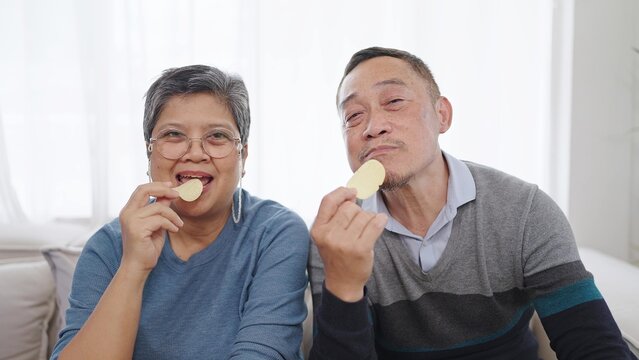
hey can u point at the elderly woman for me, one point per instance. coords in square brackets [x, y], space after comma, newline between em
[216, 278]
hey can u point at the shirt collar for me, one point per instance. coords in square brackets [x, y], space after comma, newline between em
[461, 184]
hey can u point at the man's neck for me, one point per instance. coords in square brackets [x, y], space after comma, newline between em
[417, 204]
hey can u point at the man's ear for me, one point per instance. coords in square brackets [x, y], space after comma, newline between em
[445, 114]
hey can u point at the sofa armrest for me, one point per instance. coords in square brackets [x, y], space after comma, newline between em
[618, 282]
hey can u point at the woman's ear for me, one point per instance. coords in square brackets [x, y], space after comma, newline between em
[148, 147]
[244, 153]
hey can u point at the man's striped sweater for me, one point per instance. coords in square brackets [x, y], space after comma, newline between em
[511, 252]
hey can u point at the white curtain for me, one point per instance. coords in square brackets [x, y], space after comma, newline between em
[74, 73]
[10, 210]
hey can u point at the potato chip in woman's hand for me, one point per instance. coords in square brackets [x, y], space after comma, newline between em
[190, 190]
[367, 179]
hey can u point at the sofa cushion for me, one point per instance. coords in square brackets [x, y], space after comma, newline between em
[62, 262]
[26, 307]
[617, 281]
[307, 325]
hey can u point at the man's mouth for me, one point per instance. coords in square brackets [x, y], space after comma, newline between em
[380, 149]
[377, 151]
[184, 178]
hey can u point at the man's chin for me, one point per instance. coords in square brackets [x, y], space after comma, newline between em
[393, 182]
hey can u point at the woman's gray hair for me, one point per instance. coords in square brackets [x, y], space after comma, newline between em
[227, 88]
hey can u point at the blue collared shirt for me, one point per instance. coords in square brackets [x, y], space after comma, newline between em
[427, 250]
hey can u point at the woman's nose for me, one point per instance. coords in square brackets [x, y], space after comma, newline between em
[196, 151]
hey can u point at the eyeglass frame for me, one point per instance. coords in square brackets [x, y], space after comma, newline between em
[236, 140]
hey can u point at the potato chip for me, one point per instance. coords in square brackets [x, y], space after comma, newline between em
[367, 179]
[190, 190]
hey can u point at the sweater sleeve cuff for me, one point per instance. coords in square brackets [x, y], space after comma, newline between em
[346, 316]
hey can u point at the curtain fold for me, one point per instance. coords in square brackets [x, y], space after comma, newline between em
[93, 28]
[10, 210]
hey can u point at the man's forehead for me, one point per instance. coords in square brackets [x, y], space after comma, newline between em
[348, 93]
[376, 73]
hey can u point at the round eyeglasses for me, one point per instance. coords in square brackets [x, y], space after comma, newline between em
[173, 144]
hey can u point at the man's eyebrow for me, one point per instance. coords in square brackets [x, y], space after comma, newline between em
[392, 81]
[346, 99]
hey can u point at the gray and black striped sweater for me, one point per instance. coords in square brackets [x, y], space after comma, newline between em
[511, 252]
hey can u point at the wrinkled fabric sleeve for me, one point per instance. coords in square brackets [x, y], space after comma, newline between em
[271, 319]
[341, 330]
[571, 308]
[93, 273]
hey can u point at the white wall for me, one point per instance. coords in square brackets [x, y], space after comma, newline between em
[601, 150]
[634, 212]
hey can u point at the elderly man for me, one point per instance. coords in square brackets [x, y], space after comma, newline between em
[449, 259]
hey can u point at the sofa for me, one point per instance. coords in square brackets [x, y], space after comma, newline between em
[37, 263]
[32, 264]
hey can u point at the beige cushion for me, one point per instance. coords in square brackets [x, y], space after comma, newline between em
[307, 325]
[26, 306]
[545, 351]
[62, 262]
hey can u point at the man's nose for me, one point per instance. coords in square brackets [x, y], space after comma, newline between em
[378, 124]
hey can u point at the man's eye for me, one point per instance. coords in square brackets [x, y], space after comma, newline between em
[395, 101]
[352, 117]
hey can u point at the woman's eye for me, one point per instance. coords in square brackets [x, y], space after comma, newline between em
[171, 134]
[218, 136]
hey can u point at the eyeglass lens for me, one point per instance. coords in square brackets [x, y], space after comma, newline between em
[173, 144]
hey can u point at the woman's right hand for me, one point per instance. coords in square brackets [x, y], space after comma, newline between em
[144, 225]
[118, 312]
